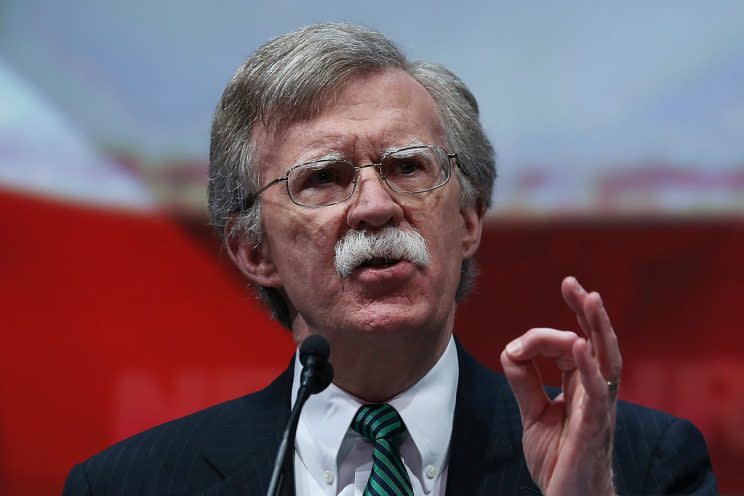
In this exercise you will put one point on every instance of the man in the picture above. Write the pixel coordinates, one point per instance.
(350, 186)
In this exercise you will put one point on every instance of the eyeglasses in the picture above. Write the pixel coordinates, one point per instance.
(413, 169)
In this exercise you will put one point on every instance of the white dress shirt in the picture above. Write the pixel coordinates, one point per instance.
(332, 459)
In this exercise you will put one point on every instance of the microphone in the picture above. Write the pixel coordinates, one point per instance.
(314, 353)
(316, 375)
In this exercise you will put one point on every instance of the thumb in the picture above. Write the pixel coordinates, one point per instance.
(526, 383)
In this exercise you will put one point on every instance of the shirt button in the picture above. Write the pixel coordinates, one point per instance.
(431, 471)
(328, 477)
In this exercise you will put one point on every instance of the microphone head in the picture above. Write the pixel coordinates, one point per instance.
(316, 346)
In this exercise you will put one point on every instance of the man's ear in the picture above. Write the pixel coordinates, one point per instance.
(253, 259)
(472, 217)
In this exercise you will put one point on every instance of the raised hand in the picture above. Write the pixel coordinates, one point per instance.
(568, 440)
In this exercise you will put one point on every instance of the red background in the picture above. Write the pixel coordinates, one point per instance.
(114, 322)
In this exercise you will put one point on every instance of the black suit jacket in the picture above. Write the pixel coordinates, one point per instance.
(230, 448)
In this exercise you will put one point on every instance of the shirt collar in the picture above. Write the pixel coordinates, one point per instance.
(427, 408)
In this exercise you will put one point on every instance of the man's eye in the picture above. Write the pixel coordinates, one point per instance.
(317, 177)
(323, 176)
(406, 167)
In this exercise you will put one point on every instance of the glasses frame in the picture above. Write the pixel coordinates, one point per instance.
(357, 168)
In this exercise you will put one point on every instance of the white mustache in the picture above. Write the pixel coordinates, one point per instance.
(358, 247)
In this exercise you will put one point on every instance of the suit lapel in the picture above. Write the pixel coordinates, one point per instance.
(486, 449)
(243, 450)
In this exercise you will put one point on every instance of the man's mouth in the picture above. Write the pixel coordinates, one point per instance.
(384, 273)
(379, 263)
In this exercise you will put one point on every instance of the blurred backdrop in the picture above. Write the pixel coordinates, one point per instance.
(621, 159)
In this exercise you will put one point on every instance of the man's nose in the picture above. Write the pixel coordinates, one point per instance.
(373, 205)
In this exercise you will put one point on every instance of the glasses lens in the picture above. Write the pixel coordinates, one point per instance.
(321, 183)
(416, 169)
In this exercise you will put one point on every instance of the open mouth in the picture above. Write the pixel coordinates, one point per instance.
(379, 263)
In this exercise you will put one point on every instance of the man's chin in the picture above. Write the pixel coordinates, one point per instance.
(389, 315)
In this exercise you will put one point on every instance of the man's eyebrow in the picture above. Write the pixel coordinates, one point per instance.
(334, 155)
(413, 142)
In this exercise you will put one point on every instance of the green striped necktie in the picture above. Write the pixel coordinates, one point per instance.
(381, 424)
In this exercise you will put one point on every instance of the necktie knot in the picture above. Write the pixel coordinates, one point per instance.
(378, 422)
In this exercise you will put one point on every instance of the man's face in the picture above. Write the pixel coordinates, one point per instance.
(372, 114)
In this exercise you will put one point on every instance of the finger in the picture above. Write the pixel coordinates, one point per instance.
(596, 324)
(591, 377)
(574, 295)
(599, 407)
(544, 342)
(604, 339)
(527, 386)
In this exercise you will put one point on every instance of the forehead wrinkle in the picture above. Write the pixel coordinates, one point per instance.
(393, 132)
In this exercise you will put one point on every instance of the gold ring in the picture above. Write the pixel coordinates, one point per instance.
(613, 384)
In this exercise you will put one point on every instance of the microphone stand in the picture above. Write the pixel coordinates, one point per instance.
(316, 375)
(282, 458)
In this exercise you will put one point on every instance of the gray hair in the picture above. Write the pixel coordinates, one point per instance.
(293, 77)
(391, 242)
